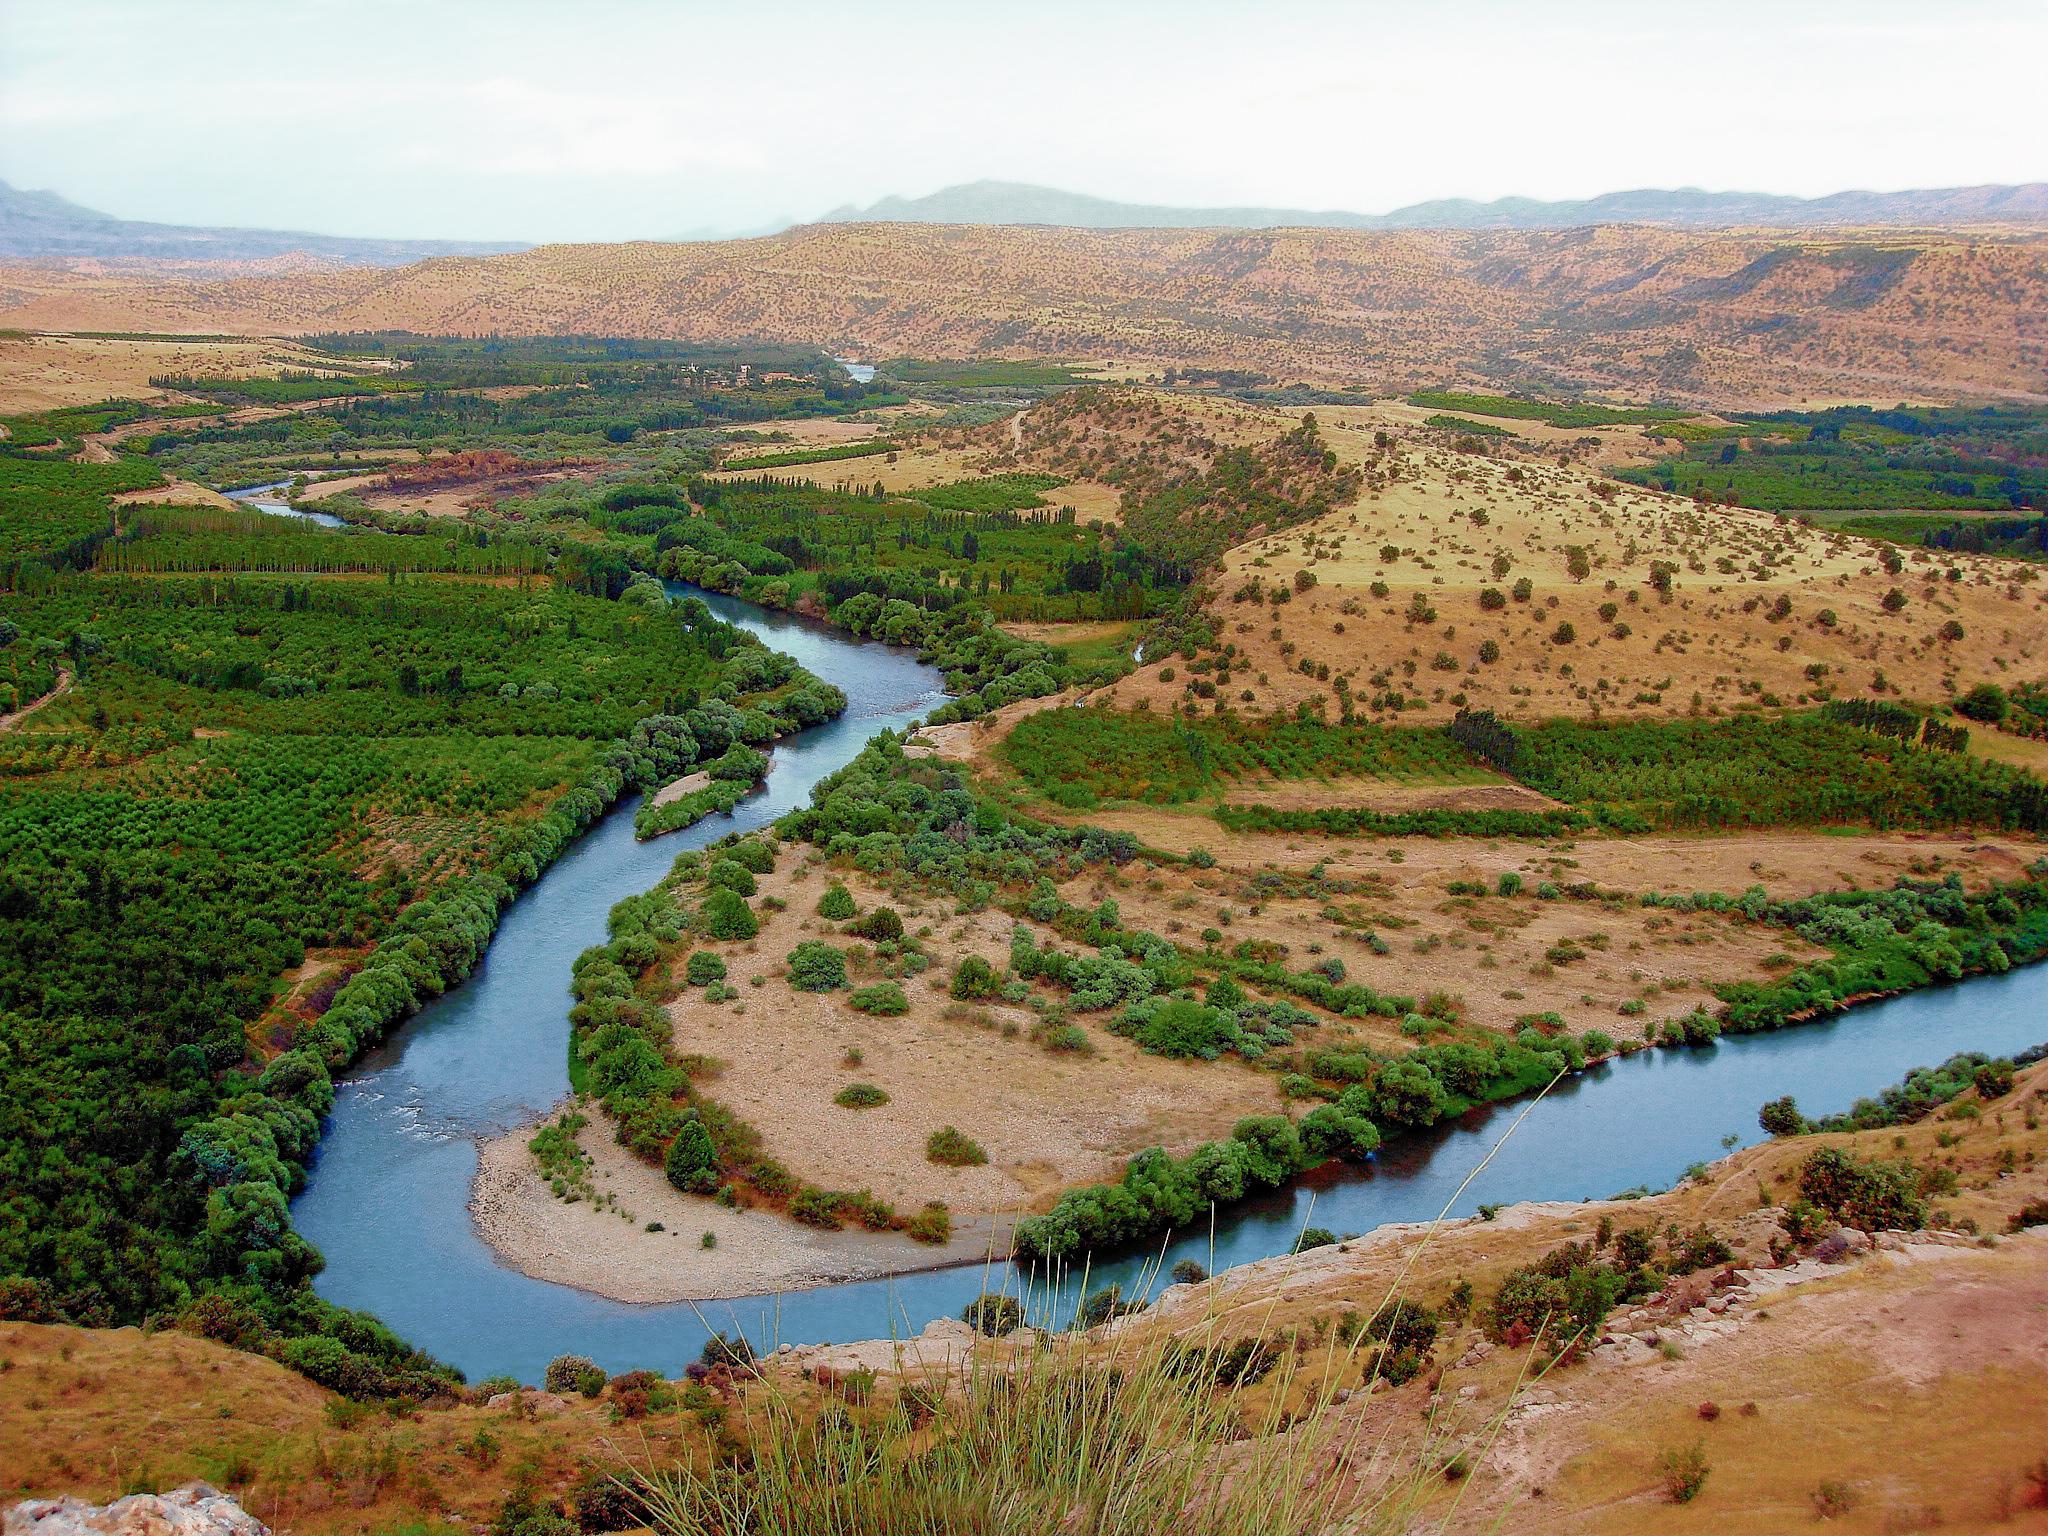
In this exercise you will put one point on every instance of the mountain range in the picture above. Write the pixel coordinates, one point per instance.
(1009, 202)
(42, 226)
(45, 227)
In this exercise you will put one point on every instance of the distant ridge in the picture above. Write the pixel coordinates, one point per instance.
(1009, 202)
(41, 226)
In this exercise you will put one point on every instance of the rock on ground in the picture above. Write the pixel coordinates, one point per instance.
(196, 1509)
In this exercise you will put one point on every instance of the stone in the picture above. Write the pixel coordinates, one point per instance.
(197, 1509)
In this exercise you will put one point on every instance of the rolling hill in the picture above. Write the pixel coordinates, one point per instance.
(1711, 317)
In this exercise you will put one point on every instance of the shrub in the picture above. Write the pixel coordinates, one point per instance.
(974, 979)
(837, 903)
(1781, 1117)
(884, 999)
(1314, 1237)
(816, 967)
(1872, 1196)
(1683, 1469)
(950, 1148)
(755, 853)
(1833, 1500)
(933, 1224)
(564, 1372)
(703, 968)
(994, 1315)
(726, 915)
(1986, 702)
(692, 1161)
(1188, 1272)
(733, 876)
(860, 1096)
(882, 925)
(1993, 1080)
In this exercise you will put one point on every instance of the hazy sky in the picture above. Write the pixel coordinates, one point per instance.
(603, 119)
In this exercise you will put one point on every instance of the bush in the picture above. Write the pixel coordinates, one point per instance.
(951, 1148)
(882, 926)
(755, 853)
(994, 1315)
(732, 875)
(860, 1096)
(692, 1161)
(1871, 1196)
(1314, 1237)
(570, 1373)
(726, 915)
(1993, 1080)
(1781, 1117)
(974, 979)
(1986, 702)
(816, 967)
(884, 999)
(1188, 1272)
(1683, 1469)
(837, 903)
(933, 1224)
(704, 968)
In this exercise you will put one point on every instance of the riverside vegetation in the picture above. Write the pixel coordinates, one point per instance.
(506, 674)
(272, 816)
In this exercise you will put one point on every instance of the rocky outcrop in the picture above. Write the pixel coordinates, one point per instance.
(196, 1509)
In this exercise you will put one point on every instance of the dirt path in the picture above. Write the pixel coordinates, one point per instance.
(65, 678)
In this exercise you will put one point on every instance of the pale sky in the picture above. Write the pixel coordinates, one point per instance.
(608, 119)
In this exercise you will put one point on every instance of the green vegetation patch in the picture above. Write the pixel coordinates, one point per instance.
(1081, 757)
(1556, 413)
(990, 374)
(1863, 459)
(786, 458)
(1750, 771)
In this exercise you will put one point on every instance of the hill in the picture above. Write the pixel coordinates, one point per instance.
(43, 227)
(1012, 202)
(1720, 318)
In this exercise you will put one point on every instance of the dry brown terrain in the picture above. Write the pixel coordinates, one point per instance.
(1724, 316)
(1762, 609)
(41, 372)
(1902, 1373)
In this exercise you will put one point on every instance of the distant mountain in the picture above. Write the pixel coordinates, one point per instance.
(1009, 202)
(41, 226)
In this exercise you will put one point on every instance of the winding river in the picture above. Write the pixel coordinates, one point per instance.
(263, 498)
(387, 1197)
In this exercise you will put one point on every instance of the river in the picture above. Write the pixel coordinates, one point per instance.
(387, 1196)
(262, 498)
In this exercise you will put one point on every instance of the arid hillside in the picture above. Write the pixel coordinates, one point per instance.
(1730, 317)
(1457, 580)
(1842, 1380)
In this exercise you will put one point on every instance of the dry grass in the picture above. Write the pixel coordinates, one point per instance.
(1459, 525)
(1385, 311)
(38, 372)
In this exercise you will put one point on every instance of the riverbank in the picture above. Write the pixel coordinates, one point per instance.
(613, 1250)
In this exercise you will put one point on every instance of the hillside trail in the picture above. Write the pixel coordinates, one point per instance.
(65, 678)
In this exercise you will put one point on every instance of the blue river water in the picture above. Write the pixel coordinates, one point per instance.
(387, 1198)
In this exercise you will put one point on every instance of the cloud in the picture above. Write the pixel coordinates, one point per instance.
(511, 127)
(37, 106)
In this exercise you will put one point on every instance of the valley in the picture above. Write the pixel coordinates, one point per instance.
(638, 840)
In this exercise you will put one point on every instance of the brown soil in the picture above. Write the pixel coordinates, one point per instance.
(1452, 521)
(1673, 313)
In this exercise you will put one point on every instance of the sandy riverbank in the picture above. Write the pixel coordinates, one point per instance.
(609, 1251)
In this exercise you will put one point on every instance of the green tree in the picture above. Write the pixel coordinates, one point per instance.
(692, 1162)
